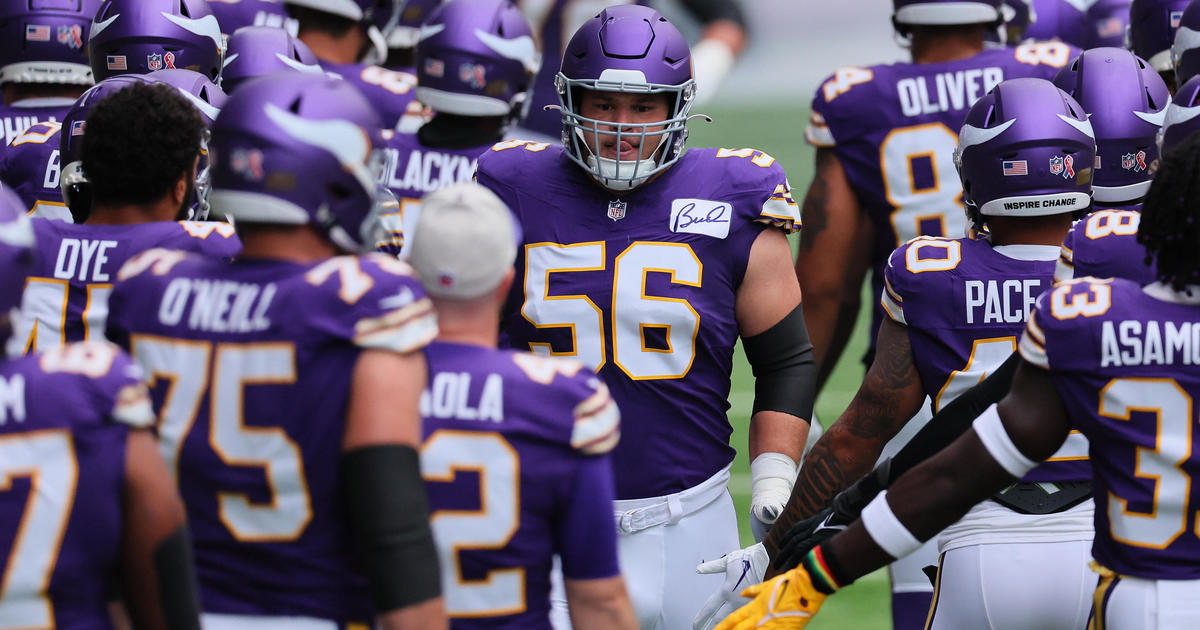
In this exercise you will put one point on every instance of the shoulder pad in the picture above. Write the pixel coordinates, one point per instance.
(919, 255)
(758, 179)
(390, 309)
(596, 421)
(112, 374)
(39, 133)
(1065, 307)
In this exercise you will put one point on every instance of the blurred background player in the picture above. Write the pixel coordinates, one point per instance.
(349, 39)
(475, 68)
(654, 301)
(258, 50)
(1151, 32)
(234, 14)
(722, 38)
(1084, 24)
(321, 350)
(141, 36)
(403, 38)
(541, 452)
(136, 193)
(881, 179)
(1127, 102)
(1185, 48)
(1135, 410)
(43, 62)
(84, 493)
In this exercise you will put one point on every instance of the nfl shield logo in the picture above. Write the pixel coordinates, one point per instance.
(1056, 165)
(616, 210)
(1127, 161)
(154, 62)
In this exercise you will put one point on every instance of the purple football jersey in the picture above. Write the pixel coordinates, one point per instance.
(22, 115)
(415, 170)
(66, 296)
(894, 129)
(642, 288)
(253, 362)
(964, 303)
(1125, 361)
(556, 22)
(1104, 245)
(30, 167)
(390, 91)
(64, 419)
(517, 467)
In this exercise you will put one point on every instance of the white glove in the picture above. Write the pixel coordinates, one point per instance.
(742, 568)
(771, 479)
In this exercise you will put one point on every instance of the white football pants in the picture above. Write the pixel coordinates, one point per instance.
(1129, 603)
(1014, 586)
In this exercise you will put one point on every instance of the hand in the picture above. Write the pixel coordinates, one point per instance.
(809, 533)
(785, 602)
(742, 568)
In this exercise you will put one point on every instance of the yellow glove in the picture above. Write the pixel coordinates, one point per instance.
(786, 602)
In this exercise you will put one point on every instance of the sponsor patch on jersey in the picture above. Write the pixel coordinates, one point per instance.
(701, 216)
(71, 36)
(616, 210)
(1015, 167)
(37, 33)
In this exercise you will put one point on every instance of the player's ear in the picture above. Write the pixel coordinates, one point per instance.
(180, 190)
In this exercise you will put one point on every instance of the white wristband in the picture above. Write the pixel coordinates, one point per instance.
(886, 530)
(771, 479)
(990, 429)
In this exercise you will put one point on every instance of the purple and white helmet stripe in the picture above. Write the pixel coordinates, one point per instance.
(1185, 51)
(1126, 102)
(1025, 149)
(45, 43)
(234, 14)
(1183, 116)
(630, 49)
(258, 50)
(477, 58)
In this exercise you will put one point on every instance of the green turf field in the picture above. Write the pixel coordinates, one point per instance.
(780, 132)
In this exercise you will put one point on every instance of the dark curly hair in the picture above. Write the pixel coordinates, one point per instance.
(139, 142)
(1170, 223)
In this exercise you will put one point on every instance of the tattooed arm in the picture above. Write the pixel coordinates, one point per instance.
(835, 251)
(890, 394)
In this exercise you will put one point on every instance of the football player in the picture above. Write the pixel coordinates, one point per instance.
(348, 37)
(1129, 392)
(1087, 24)
(258, 50)
(955, 308)
(537, 429)
(1151, 33)
(1185, 49)
(43, 62)
(289, 379)
(647, 263)
(722, 39)
(141, 36)
(135, 193)
(84, 493)
(1126, 102)
(884, 138)
(234, 14)
(475, 68)
(403, 38)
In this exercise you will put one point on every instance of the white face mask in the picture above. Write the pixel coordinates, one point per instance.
(609, 169)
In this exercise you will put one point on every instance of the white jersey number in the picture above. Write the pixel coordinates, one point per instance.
(927, 207)
(445, 453)
(633, 312)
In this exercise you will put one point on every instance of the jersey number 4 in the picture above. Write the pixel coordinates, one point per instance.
(633, 312)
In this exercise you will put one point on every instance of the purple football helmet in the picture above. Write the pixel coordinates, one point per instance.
(1126, 101)
(1018, 15)
(477, 58)
(1185, 51)
(234, 14)
(44, 42)
(413, 14)
(1026, 149)
(293, 148)
(17, 244)
(941, 12)
(1183, 116)
(142, 36)
(631, 49)
(1108, 19)
(1151, 30)
(258, 50)
(1059, 20)
(377, 18)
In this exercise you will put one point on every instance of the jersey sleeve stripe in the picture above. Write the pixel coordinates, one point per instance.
(1034, 329)
(1063, 271)
(1033, 352)
(817, 133)
(887, 285)
(402, 330)
(597, 424)
(893, 309)
(133, 407)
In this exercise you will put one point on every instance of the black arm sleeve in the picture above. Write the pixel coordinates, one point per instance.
(177, 581)
(954, 419)
(706, 11)
(785, 373)
(389, 516)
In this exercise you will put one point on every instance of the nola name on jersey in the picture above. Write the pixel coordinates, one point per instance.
(1125, 360)
(641, 287)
